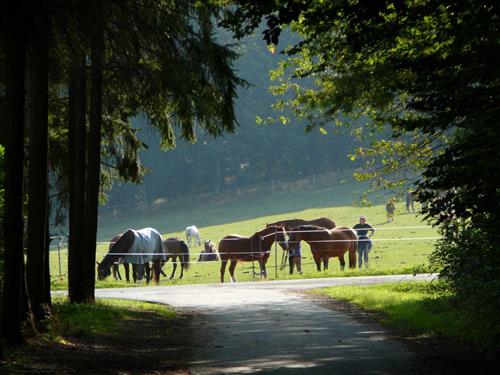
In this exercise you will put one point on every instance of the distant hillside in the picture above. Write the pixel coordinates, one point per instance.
(256, 153)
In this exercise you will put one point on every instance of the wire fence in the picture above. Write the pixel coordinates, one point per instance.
(255, 254)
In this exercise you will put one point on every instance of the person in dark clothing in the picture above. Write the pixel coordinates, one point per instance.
(410, 200)
(295, 258)
(364, 241)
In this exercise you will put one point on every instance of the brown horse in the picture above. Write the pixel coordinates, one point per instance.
(257, 247)
(174, 248)
(326, 243)
(292, 223)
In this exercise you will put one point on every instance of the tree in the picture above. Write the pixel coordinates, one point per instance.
(37, 256)
(15, 51)
(428, 71)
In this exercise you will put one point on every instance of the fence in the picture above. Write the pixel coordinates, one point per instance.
(280, 257)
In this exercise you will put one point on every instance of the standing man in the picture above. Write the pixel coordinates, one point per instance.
(410, 199)
(364, 241)
(295, 258)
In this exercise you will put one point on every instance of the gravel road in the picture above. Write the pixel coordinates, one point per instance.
(270, 327)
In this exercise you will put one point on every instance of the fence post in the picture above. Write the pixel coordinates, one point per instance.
(276, 254)
(59, 256)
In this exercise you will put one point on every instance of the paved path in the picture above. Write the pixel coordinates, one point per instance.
(264, 327)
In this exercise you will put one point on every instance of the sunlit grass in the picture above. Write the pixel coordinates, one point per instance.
(103, 317)
(387, 257)
(422, 307)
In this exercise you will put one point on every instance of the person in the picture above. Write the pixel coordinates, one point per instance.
(295, 258)
(364, 241)
(410, 200)
(390, 207)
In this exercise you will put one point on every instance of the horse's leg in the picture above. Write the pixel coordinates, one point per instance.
(222, 269)
(263, 272)
(182, 271)
(161, 269)
(182, 266)
(317, 260)
(127, 272)
(156, 271)
(232, 266)
(174, 267)
(140, 271)
(118, 272)
(352, 258)
(342, 262)
(325, 263)
(147, 271)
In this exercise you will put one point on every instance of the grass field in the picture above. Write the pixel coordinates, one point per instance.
(422, 307)
(392, 253)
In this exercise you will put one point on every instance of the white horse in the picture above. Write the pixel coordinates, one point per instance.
(192, 233)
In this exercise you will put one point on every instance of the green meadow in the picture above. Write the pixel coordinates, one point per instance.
(401, 246)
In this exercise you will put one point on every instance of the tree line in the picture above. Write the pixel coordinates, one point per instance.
(425, 74)
(256, 152)
(73, 74)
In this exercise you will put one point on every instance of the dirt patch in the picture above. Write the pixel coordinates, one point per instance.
(145, 344)
(434, 354)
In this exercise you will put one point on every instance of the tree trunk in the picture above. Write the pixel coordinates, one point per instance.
(14, 157)
(37, 255)
(76, 143)
(93, 163)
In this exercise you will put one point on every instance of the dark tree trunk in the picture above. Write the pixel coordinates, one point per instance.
(46, 289)
(14, 157)
(37, 255)
(76, 143)
(93, 163)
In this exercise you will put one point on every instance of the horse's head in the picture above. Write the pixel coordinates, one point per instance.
(103, 271)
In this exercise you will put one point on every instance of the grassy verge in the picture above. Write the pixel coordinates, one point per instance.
(105, 317)
(110, 337)
(422, 308)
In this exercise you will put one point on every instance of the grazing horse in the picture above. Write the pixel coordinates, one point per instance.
(292, 223)
(193, 234)
(209, 253)
(115, 266)
(326, 243)
(174, 248)
(236, 248)
(138, 247)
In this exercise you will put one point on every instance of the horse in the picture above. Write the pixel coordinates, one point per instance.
(115, 266)
(209, 253)
(326, 243)
(192, 233)
(292, 223)
(146, 241)
(236, 248)
(174, 248)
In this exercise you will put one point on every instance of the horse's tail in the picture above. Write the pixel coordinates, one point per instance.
(353, 249)
(185, 255)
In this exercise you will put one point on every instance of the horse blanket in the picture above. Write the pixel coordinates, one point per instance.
(147, 241)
